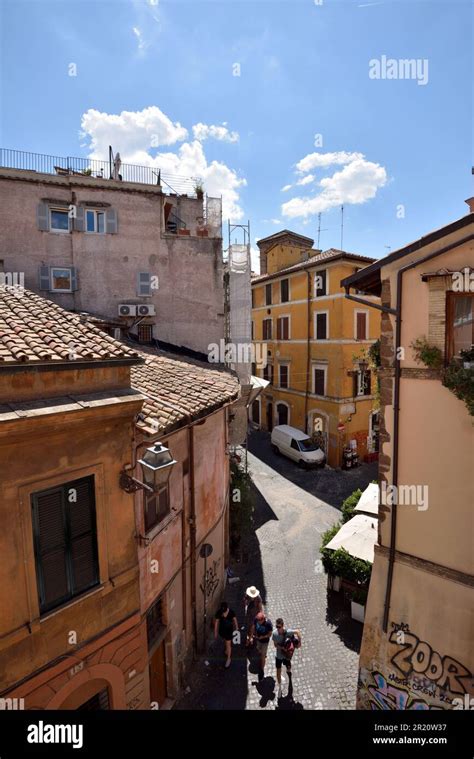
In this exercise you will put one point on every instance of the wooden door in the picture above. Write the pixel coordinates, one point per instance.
(158, 675)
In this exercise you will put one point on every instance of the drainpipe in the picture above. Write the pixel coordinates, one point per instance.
(397, 312)
(308, 347)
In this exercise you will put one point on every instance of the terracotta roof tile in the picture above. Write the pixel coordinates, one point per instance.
(35, 330)
(178, 389)
(327, 255)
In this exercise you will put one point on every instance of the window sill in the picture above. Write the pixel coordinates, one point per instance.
(72, 602)
(155, 531)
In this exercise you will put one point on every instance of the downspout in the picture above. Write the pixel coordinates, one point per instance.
(397, 312)
(308, 347)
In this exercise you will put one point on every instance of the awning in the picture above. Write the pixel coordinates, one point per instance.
(358, 536)
(369, 500)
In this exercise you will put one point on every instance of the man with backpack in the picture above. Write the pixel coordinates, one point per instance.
(286, 642)
(262, 631)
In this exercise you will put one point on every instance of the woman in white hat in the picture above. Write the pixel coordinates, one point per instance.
(253, 606)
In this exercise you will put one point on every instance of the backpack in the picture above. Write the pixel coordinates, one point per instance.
(290, 643)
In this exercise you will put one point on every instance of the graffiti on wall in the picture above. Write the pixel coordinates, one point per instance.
(211, 579)
(416, 656)
(383, 694)
(421, 678)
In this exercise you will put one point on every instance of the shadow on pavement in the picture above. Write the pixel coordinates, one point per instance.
(338, 615)
(209, 685)
(332, 486)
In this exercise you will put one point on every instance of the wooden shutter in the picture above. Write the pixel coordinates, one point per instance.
(80, 508)
(319, 381)
(284, 290)
(111, 221)
(321, 322)
(143, 283)
(79, 223)
(286, 328)
(44, 278)
(283, 376)
(268, 295)
(50, 546)
(278, 329)
(361, 323)
(42, 216)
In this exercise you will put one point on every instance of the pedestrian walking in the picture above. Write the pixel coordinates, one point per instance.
(253, 606)
(262, 630)
(286, 641)
(225, 623)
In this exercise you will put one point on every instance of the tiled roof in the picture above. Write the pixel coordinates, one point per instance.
(34, 330)
(180, 389)
(326, 255)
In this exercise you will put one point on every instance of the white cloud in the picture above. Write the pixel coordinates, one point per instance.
(323, 160)
(306, 180)
(356, 183)
(271, 221)
(133, 133)
(142, 45)
(217, 132)
(286, 188)
(129, 131)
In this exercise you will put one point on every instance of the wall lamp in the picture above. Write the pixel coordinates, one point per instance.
(156, 465)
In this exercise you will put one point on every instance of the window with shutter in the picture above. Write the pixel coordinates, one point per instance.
(42, 217)
(44, 278)
(319, 382)
(268, 295)
(267, 329)
(284, 290)
(321, 326)
(283, 375)
(283, 328)
(361, 325)
(144, 284)
(157, 507)
(65, 540)
(111, 221)
(320, 283)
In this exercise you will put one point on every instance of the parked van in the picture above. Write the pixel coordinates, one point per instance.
(296, 445)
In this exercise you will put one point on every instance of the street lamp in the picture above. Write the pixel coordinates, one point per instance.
(156, 465)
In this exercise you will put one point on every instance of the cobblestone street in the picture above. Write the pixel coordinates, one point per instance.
(294, 507)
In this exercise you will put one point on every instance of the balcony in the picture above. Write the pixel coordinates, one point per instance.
(69, 166)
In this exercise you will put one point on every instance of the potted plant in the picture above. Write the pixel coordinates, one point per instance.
(467, 357)
(199, 189)
(358, 602)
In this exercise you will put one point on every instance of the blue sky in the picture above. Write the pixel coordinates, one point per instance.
(396, 152)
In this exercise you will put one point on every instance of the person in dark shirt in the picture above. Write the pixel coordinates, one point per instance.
(225, 623)
(262, 629)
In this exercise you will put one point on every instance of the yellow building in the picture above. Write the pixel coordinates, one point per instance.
(315, 343)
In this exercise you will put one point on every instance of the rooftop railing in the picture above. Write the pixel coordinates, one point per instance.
(73, 166)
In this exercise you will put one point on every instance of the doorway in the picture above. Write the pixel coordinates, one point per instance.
(269, 416)
(158, 675)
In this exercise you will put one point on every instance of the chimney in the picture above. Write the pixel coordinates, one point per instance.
(470, 202)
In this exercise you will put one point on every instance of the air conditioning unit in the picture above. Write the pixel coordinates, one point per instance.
(146, 310)
(127, 309)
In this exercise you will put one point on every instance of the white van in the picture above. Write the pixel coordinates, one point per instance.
(296, 445)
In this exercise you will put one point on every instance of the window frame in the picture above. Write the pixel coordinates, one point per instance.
(58, 209)
(159, 520)
(364, 311)
(324, 368)
(51, 278)
(264, 336)
(316, 314)
(71, 596)
(268, 289)
(95, 211)
(326, 283)
(451, 297)
(287, 280)
(286, 366)
(280, 317)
